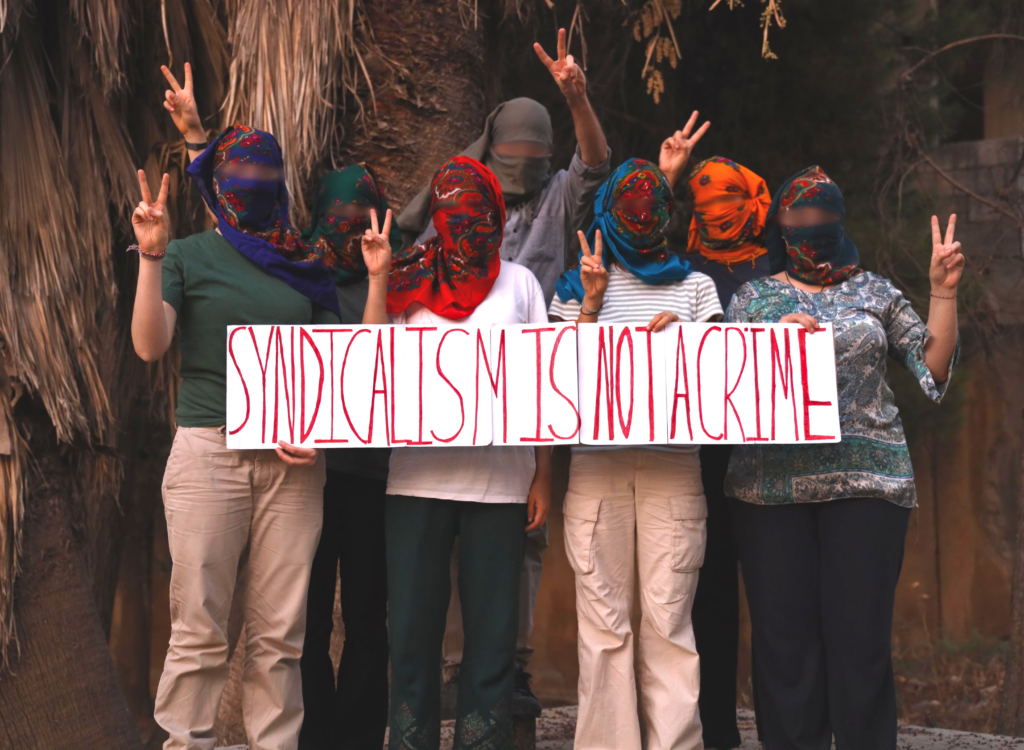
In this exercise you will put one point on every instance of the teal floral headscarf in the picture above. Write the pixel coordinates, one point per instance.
(356, 184)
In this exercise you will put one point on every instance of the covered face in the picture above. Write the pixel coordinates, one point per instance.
(248, 180)
(341, 215)
(632, 209)
(521, 131)
(730, 205)
(453, 272)
(811, 242)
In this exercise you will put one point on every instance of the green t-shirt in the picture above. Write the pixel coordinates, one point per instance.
(211, 286)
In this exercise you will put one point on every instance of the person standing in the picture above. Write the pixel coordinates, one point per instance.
(544, 209)
(643, 503)
(349, 710)
(726, 242)
(484, 495)
(821, 527)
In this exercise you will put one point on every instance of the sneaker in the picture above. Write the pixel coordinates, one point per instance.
(524, 702)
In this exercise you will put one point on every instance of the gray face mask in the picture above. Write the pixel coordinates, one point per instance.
(521, 177)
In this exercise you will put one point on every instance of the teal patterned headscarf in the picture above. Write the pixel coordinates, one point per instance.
(356, 184)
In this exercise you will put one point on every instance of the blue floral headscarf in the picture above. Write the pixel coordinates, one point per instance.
(820, 254)
(253, 214)
(632, 209)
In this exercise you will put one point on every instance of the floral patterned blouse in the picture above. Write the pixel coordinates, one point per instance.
(872, 319)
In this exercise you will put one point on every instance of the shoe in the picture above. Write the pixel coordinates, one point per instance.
(524, 702)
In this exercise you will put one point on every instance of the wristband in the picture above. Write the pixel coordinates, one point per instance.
(587, 311)
(941, 296)
(196, 146)
(143, 254)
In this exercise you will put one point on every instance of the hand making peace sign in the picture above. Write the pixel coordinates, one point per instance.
(377, 247)
(150, 220)
(181, 103)
(676, 150)
(947, 261)
(567, 74)
(593, 274)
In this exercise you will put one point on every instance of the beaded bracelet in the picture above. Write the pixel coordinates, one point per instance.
(143, 254)
(587, 311)
(940, 296)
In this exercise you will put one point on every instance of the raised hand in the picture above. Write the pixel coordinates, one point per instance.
(676, 149)
(150, 220)
(567, 74)
(376, 246)
(181, 103)
(661, 320)
(947, 264)
(593, 274)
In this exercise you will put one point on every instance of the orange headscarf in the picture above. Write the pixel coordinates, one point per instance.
(722, 231)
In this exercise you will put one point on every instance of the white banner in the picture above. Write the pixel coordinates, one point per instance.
(595, 384)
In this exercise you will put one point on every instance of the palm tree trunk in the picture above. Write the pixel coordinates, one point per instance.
(1011, 719)
(62, 691)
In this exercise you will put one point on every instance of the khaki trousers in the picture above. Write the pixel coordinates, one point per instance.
(218, 501)
(649, 506)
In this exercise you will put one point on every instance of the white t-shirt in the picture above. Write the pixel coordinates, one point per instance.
(487, 474)
(630, 300)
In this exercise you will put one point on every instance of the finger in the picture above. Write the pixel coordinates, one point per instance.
(810, 323)
(169, 107)
(570, 65)
(298, 450)
(286, 457)
(678, 142)
(140, 214)
(584, 245)
(949, 229)
(685, 132)
(144, 186)
(544, 57)
(936, 237)
(188, 77)
(597, 244)
(653, 325)
(161, 199)
(170, 78)
(700, 133)
(561, 44)
(373, 223)
(386, 231)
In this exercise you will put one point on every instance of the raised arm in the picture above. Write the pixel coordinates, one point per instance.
(947, 267)
(573, 85)
(593, 277)
(377, 256)
(181, 103)
(152, 319)
(676, 149)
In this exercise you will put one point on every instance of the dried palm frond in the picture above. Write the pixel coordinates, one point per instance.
(65, 163)
(102, 23)
(290, 58)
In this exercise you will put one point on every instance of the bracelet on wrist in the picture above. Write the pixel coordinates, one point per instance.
(196, 146)
(942, 296)
(587, 311)
(143, 254)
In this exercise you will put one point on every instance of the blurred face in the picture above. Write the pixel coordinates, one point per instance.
(521, 148)
(347, 211)
(806, 217)
(720, 200)
(246, 171)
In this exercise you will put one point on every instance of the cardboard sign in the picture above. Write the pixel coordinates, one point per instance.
(538, 402)
(596, 384)
(743, 383)
(622, 384)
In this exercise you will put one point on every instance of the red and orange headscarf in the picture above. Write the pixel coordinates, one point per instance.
(727, 232)
(452, 272)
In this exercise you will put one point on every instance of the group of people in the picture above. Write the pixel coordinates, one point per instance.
(818, 529)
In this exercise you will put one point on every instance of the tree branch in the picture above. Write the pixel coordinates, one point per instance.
(906, 75)
(964, 189)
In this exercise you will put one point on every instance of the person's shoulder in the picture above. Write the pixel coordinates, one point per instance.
(697, 279)
(196, 243)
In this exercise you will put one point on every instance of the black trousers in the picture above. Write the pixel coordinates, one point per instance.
(352, 714)
(716, 609)
(821, 584)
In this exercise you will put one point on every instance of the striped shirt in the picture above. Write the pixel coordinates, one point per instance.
(630, 300)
